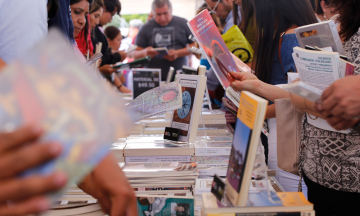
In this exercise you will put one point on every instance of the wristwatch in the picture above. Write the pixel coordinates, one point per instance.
(118, 87)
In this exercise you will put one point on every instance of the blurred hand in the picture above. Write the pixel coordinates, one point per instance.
(20, 151)
(172, 56)
(108, 184)
(149, 51)
(342, 98)
(245, 82)
(107, 69)
(340, 123)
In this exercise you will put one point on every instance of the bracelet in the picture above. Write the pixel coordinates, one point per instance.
(118, 87)
(306, 108)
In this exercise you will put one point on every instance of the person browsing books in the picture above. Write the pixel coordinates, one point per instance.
(329, 160)
(164, 30)
(272, 66)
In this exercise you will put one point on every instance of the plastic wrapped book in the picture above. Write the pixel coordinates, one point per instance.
(51, 87)
(158, 100)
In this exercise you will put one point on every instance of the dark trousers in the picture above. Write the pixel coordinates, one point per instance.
(329, 202)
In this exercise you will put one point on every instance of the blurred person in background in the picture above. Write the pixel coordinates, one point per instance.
(111, 7)
(135, 26)
(114, 37)
(246, 20)
(164, 30)
(223, 10)
(323, 10)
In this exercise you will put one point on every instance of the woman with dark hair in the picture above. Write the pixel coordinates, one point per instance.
(246, 26)
(275, 21)
(85, 45)
(329, 160)
(114, 38)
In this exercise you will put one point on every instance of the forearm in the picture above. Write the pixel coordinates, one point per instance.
(302, 105)
(270, 112)
(184, 51)
(2, 64)
(138, 53)
(271, 92)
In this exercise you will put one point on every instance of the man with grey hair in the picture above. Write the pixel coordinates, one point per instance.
(164, 30)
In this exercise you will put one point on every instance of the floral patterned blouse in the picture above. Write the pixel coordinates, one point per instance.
(329, 158)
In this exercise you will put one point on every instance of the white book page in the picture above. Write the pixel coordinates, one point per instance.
(318, 69)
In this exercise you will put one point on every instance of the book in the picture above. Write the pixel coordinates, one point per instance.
(189, 70)
(202, 186)
(165, 205)
(293, 203)
(93, 59)
(322, 34)
(214, 47)
(215, 159)
(212, 148)
(158, 100)
(163, 148)
(144, 80)
(304, 90)
(160, 169)
(206, 115)
(318, 69)
(162, 51)
(187, 117)
(73, 210)
(51, 87)
(211, 171)
(250, 120)
(148, 159)
(138, 63)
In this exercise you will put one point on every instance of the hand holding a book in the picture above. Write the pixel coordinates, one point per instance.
(20, 151)
(149, 51)
(245, 82)
(109, 185)
(107, 69)
(172, 56)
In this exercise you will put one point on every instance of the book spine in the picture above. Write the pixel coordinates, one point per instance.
(304, 213)
(148, 159)
(212, 151)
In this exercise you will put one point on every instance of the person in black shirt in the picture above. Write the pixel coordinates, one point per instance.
(111, 7)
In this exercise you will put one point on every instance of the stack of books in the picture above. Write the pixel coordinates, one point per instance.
(171, 178)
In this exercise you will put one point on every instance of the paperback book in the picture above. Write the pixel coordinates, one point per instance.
(250, 120)
(158, 100)
(50, 86)
(215, 49)
(187, 117)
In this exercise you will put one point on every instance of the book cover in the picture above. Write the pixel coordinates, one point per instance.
(51, 87)
(249, 122)
(322, 34)
(162, 51)
(138, 63)
(165, 206)
(158, 100)
(214, 47)
(148, 159)
(186, 118)
(212, 148)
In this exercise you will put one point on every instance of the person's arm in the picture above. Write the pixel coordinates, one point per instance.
(108, 184)
(143, 52)
(2, 64)
(120, 86)
(270, 112)
(175, 54)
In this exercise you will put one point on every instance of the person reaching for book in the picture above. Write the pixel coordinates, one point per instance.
(333, 191)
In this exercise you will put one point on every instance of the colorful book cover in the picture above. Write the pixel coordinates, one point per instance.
(51, 87)
(249, 122)
(217, 53)
(165, 206)
(158, 100)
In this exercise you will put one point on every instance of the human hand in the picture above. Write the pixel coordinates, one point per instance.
(342, 98)
(171, 56)
(108, 184)
(107, 69)
(20, 151)
(339, 123)
(149, 51)
(245, 82)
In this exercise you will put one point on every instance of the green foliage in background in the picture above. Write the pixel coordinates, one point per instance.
(129, 17)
